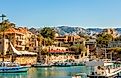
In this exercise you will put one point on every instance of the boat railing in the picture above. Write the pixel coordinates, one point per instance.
(106, 71)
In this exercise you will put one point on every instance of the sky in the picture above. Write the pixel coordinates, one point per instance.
(81, 13)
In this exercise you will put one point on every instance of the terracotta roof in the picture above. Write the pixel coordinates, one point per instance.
(22, 30)
(12, 30)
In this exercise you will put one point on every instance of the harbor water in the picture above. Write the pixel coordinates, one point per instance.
(54, 72)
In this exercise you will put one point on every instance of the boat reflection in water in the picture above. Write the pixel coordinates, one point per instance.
(14, 75)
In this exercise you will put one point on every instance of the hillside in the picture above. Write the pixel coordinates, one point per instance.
(68, 30)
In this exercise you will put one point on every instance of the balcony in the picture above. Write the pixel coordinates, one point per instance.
(19, 39)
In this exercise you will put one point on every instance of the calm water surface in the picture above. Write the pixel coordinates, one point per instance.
(54, 72)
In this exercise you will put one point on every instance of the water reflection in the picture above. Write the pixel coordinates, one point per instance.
(54, 72)
(13, 75)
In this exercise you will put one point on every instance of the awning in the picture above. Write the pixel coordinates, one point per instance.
(27, 53)
(22, 52)
(14, 50)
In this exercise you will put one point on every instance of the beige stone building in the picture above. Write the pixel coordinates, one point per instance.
(31, 42)
(22, 40)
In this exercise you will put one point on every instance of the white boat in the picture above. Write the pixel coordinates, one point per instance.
(9, 67)
(104, 68)
(107, 70)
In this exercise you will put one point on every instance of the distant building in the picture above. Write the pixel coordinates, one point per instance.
(68, 38)
(91, 43)
(114, 44)
(110, 31)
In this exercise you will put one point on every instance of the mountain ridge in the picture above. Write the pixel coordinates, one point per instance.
(69, 30)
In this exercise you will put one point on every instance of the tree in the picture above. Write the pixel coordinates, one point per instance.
(48, 41)
(118, 38)
(103, 40)
(77, 48)
(48, 32)
(84, 35)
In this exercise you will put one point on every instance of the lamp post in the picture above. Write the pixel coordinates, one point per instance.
(3, 16)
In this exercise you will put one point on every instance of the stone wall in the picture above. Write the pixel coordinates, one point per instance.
(23, 59)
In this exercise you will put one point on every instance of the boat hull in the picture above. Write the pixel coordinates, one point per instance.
(13, 69)
(41, 66)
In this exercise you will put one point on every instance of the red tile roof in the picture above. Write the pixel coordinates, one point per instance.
(12, 30)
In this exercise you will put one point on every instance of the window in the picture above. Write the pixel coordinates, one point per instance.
(76, 57)
(82, 55)
(34, 48)
(85, 54)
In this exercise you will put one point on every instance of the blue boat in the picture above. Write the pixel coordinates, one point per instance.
(10, 67)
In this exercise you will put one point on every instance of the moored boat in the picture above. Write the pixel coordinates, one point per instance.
(106, 70)
(41, 65)
(103, 69)
(10, 67)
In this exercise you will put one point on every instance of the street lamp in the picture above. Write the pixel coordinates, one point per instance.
(2, 16)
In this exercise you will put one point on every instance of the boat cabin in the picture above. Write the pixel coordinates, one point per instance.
(9, 64)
